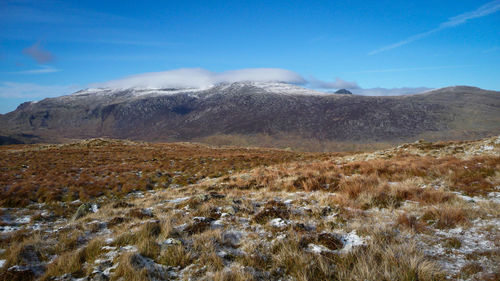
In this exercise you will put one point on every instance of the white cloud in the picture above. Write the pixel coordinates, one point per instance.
(337, 84)
(41, 70)
(200, 78)
(484, 10)
(34, 91)
(390, 91)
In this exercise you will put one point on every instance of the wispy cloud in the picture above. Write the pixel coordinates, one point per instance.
(42, 70)
(491, 50)
(390, 91)
(37, 53)
(411, 69)
(484, 10)
(337, 84)
(34, 91)
(199, 78)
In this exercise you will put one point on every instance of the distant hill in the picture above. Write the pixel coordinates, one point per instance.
(245, 109)
(343, 92)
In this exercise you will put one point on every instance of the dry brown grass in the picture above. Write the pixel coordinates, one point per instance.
(74, 262)
(447, 216)
(125, 271)
(411, 222)
(27, 251)
(176, 255)
(396, 192)
(36, 173)
(387, 258)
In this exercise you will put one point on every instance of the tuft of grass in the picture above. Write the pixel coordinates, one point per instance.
(410, 222)
(176, 255)
(446, 216)
(469, 269)
(126, 271)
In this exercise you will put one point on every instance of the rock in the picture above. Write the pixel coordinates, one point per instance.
(232, 210)
(23, 273)
(232, 239)
(98, 276)
(169, 242)
(85, 209)
(153, 270)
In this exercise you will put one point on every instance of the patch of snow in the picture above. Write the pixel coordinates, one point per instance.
(284, 88)
(218, 223)
(473, 240)
(222, 253)
(148, 211)
(8, 228)
(352, 240)
(129, 248)
(487, 148)
(171, 241)
(2, 263)
(23, 220)
(94, 208)
(281, 237)
(317, 249)
(278, 223)
(494, 196)
(107, 271)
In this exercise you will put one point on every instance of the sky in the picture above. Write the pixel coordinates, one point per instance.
(51, 48)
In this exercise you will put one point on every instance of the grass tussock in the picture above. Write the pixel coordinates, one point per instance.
(74, 262)
(446, 216)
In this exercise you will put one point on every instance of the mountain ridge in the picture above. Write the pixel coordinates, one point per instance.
(249, 108)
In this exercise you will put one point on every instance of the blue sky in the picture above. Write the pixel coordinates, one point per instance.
(50, 48)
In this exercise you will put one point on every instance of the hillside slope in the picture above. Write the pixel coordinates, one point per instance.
(120, 210)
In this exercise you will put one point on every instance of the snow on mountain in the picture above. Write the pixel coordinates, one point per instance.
(269, 87)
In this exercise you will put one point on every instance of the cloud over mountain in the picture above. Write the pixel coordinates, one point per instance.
(199, 78)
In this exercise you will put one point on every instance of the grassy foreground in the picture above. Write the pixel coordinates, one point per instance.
(119, 210)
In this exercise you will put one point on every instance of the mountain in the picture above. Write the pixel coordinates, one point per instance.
(255, 108)
(343, 92)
